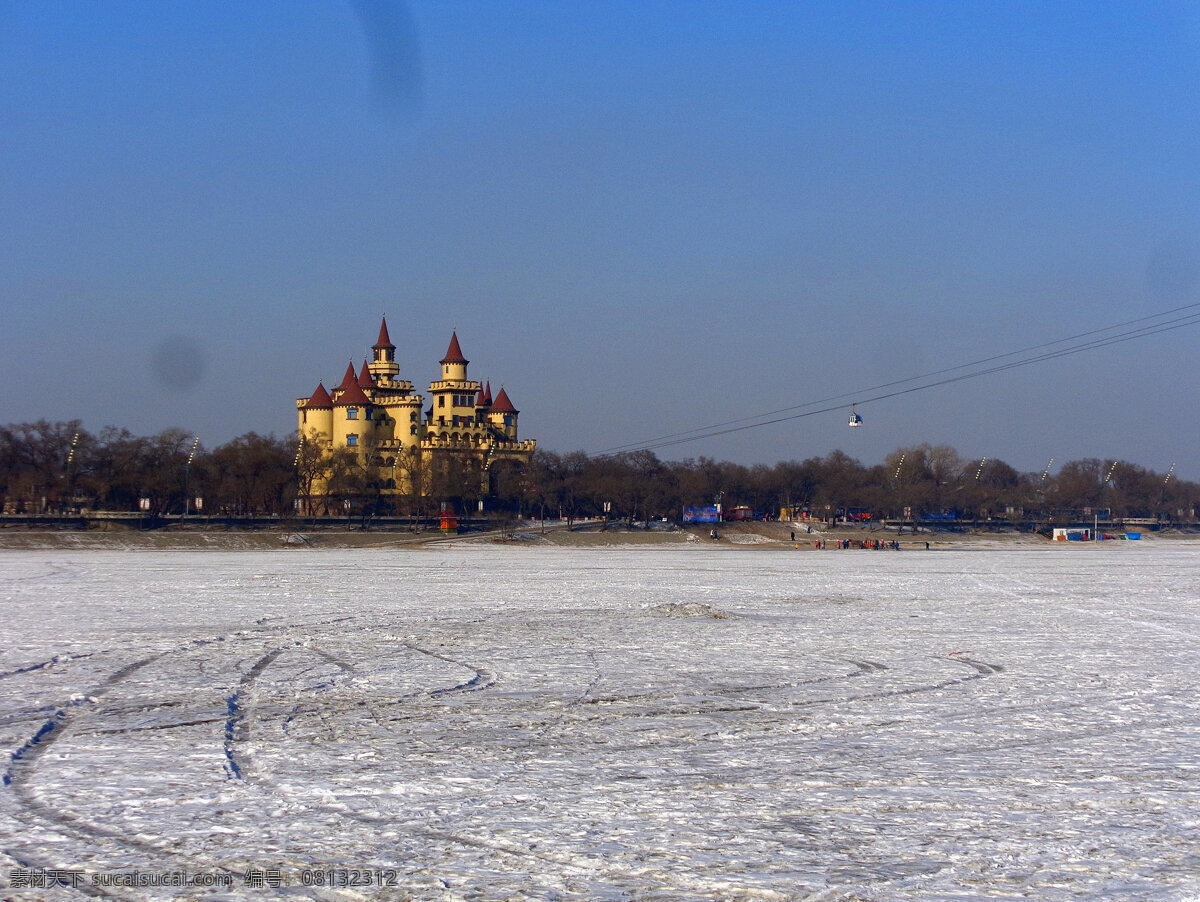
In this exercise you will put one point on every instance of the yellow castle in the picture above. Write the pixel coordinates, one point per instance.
(373, 427)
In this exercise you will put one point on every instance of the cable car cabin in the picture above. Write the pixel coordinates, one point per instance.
(855, 420)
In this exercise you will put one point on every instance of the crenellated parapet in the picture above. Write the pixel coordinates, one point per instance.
(458, 385)
(399, 386)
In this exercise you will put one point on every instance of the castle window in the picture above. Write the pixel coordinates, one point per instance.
(351, 413)
(412, 430)
(441, 400)
(352, 440)
(412, 417)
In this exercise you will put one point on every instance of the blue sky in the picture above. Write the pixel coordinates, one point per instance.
(640, 217)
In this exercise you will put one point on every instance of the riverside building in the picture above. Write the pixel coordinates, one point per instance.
(375, 434)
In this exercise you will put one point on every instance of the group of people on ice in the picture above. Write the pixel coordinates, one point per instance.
(873, 544)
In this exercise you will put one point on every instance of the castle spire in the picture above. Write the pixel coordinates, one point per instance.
(320, 398)
(503, 404)
(454, 353)
(364, 377)
(454, 364)
(383, 366)
(384, 341)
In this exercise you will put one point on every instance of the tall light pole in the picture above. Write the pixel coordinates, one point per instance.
(978, 473)
(70, 460)
(300, 482)
(1163, 503)
(896, 486)
(187, 472)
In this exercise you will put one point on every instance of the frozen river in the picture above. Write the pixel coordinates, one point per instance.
(610, 723)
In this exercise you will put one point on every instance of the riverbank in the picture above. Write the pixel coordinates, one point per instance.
(579, 535)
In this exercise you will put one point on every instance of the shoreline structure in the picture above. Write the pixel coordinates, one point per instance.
(595, 533)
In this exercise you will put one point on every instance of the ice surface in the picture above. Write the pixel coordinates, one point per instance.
(608, 723)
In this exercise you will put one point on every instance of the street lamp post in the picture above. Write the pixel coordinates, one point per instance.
(187, 472)
(70, 460)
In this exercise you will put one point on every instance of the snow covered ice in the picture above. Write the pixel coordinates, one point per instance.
(476, 722)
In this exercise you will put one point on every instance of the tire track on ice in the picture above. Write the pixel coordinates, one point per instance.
(864, 668)
(484, 678)
(578, 864)
(981, 670)
(43, 664)
(25, 761)
(239, 713)
(237, 724)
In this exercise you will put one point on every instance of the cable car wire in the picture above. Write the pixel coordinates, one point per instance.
(757, 420)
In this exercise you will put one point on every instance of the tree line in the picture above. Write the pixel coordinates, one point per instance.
(60, 467)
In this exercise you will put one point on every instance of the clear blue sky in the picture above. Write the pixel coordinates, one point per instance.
(640, 217)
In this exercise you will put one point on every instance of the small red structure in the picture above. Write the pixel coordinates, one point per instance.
(449, 521)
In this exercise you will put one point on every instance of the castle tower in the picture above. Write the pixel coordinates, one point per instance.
(503, 416)
(384, 367)
(316, 412)
(352, 426)
(453, 398)
(454, 364)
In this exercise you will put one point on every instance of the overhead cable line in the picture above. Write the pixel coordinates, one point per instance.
(757, 420)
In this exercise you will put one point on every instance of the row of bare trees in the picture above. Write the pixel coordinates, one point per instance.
(57, 467)
(909, 482)
(52, 468)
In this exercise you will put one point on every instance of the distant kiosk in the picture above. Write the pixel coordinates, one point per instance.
(1073, 535)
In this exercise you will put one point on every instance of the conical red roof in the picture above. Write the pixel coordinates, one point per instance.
(487, 394)
(348, 379)
(364, 377)
(479, 399)
(320, 398)
(454, 353)
(503, 404)
(384, 341)
(352, 397)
